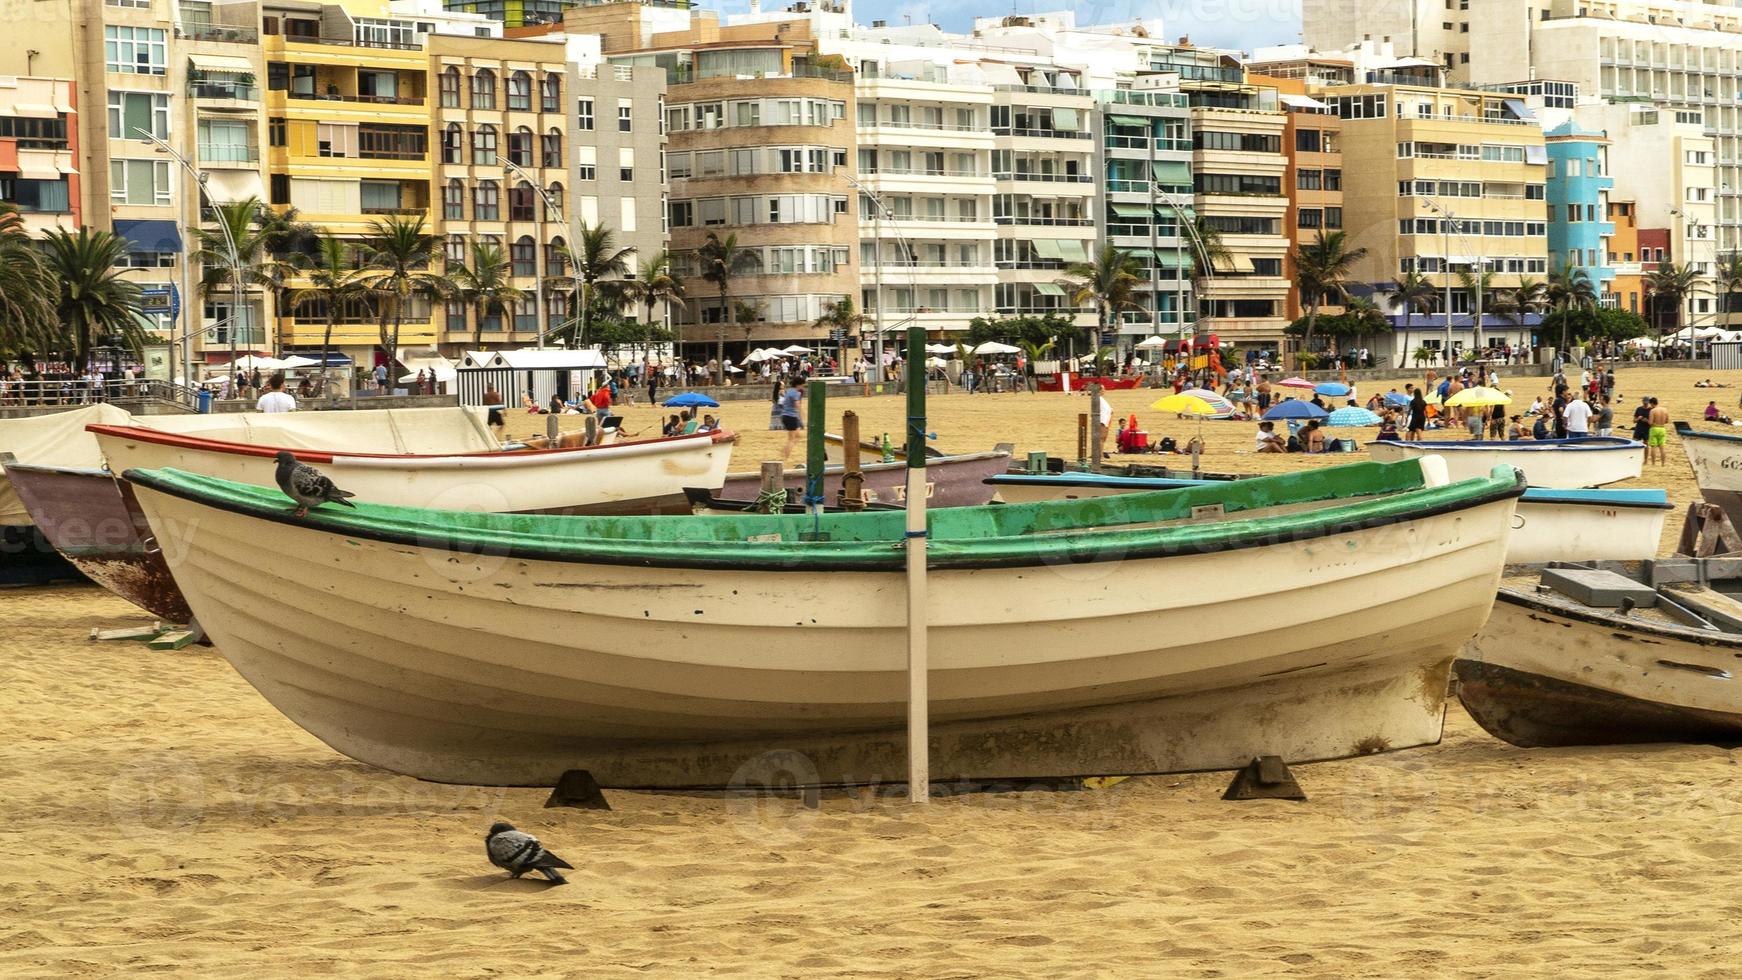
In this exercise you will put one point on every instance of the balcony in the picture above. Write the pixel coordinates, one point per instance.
(1010, 219)
(221, 90)
(1143, 143)
(228, 154)
(1053, 178)
(1059, 134)
(217, 32)
(369, 99)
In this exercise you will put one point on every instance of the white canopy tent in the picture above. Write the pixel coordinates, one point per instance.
(797, 349)
(432, 363)
(1152, 343)
(994, 347)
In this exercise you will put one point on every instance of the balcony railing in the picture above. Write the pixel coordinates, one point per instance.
(1161, 100)
(371, 99)
(236, 91)
(1049, 264)
(229, 153)
(918, 172)
(1058, 134)
(1143, 142)
(1054, 178)
(351, 42)
(1041, 89)
(217, 32)
(910, 124)
(932, 217)
(1011, 219)
(394, 209)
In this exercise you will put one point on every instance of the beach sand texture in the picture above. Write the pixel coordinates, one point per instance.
(161, 817)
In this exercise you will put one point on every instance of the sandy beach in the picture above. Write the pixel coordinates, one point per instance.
(162, 817)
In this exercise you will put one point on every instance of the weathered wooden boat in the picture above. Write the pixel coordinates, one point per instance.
(706, 502)
(951, 481)
(1608, 660)
(26, 555)
(1716, 458)
(645, 477)
(1560, 464)
(1551, 525)
(1077, 383)
(1066, 638)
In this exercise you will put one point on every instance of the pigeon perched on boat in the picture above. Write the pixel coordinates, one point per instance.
(307, 486)
(518, 853)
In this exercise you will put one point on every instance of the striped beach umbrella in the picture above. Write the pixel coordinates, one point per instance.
(1352, 416)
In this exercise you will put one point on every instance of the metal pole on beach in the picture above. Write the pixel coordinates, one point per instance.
(918, 682)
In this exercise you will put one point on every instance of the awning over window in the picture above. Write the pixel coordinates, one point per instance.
(32, 166)
(1137, 122)
(1049, 289)
(38, 110)
(1171, 172)
(1072, 251)
(1131, 210)
(1519, 110)
(1536, 154)
(1301, 102)
(1048, 248)
(1064, 119)
(997, 74)
(1173, 258)
(149, 236)
(216, 62)
(1233, 263)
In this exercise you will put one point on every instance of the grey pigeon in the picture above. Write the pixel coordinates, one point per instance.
(307, 486)
(519, 853)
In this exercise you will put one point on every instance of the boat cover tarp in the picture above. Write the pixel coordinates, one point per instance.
(52, 440)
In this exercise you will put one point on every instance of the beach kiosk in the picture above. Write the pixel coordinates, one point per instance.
(540, 373)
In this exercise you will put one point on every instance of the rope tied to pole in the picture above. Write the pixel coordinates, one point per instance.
(771, 501)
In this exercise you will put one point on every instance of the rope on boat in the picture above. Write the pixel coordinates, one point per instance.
(771, 501)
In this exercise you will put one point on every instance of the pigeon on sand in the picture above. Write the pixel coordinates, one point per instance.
(519, 853)
(307, 486)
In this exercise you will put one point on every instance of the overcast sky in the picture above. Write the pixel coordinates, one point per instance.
(1242, 24)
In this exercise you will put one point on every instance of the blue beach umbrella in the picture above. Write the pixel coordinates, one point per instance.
(690, 399)
(1333, 389)
(1397, 399)
(1352, 416)
(1294, 408)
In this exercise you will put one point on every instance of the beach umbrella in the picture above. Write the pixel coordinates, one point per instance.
(1294, 408)
(1332, 389)
(1478, 398)
(1152, 343)
(1185, 404)
(1295, 383)
(1223, 406)
(994, 347)
(690, 399)
(1352, 416)
(1397, 398)
(940, 348)
(797, 349)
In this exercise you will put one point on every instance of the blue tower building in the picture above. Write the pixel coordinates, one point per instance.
(1578, 203)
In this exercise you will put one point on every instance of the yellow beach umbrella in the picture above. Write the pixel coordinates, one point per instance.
(1184, 405)
(1479, 398)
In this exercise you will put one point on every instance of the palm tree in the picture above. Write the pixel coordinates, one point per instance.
(92, 300)
(843, 317)
(1367, 318)
(595, 257)
(27, 289)
(1207, 253)
(333, 282)
(1414, 293)
(398, 253)
(486, 281)
(721, 260)
(1569, 288)
(1727, 280)
(1109, 281)
(1667, 287)
(1322, 269)
(247, 222)
(655, 283)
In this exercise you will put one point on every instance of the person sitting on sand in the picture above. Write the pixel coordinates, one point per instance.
(1313, 437)
(673, 425)
(1515, 431)
(1267, 441)
(1712, 412)
(1388, 426)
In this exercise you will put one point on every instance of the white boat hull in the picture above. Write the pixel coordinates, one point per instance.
(1541, 675)
(1717, 465)
(642, 477)
(1559, 469)
(1544, 532)
(477, 669)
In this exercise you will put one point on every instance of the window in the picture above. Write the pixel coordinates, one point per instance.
(524, 255)
(682, 213)
(550, 92)
(1309, 180)
(556, 263)
(484, 89)
(555, 193)
(275, 132)
(336, 140)
(456, 310)
(520, 147)
(1310, 218)
(1333, 218)
(520, 92)
(1308, 140)
(1333, 180)
(486, 201)
(139, 181)
(625, 116)
(522, 203)
(450, 88)
(454, 200)
(484, 146)
(626, 174)
(1237, 184)
(584, 114)
(133, 112)
(280, 192)
(376, 141)
(586, 159)
(135, 50)
(553, 150)
(453, 144)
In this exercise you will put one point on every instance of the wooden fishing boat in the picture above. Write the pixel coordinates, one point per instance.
(645, 477)
(951, 480)
(1561, 464)
(1056, 382)
(1551, 525)
(1609, 660)
(705, 502)
(1717, 461)
(27, 557)
(1066, 638)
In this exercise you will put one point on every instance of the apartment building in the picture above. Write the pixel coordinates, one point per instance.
(1670, 169)
(1312, 142)
(1438, 30)
(502, 119)
(1627, 290)
(1145, 165)
(1579, 229)
(39, 151)
(760, 149)
(514, 13)
(619, 169)
(1443, 182)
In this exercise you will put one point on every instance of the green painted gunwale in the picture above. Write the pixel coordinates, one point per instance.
(998, 535)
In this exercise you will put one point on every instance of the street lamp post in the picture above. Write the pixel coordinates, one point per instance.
(235, 259)
(538, 250)
(877, 282)
(1480, 270)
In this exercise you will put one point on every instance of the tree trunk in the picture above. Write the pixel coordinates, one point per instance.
(720, 339)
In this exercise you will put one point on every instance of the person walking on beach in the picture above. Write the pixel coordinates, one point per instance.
(1417, 414)
(1641, 420)
(1658, 433)
(789, 399)
(1577, 414)
(1606, 418)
